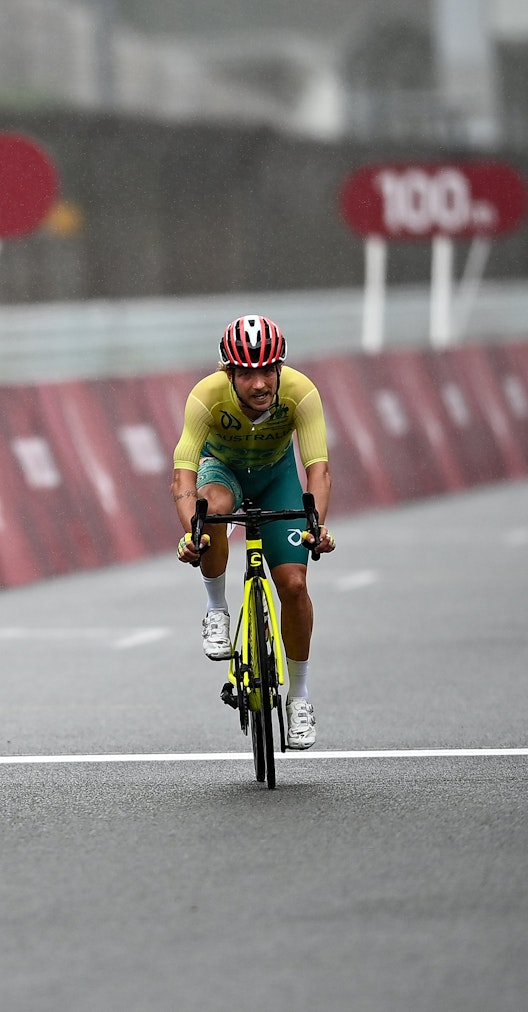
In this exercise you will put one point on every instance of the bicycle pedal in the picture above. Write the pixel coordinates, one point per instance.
(226, 695)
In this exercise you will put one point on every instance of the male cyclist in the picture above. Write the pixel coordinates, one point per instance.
(237, 443)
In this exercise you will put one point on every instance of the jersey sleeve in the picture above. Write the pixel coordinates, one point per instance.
(196, 426)
(311, 428)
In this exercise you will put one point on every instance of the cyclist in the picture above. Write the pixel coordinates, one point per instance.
(237, 443)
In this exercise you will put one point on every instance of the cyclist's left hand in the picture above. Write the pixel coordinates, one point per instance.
(326, 544)
(187, 551)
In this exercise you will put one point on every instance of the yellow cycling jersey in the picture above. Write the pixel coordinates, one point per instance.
(215, 425)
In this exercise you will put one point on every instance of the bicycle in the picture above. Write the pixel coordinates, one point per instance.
(256, 668)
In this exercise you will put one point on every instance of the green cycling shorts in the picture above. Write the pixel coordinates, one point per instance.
(275, 487)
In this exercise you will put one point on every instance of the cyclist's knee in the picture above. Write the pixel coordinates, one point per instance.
(220, 499)
(290, 580)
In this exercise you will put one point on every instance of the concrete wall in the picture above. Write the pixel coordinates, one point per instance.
(170, 210)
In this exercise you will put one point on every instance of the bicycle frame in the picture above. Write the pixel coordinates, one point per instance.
(254, 569)
(251, 518)
(256, 668)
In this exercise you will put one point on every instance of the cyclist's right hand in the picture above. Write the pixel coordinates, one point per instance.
(325, 542)
(187, 551)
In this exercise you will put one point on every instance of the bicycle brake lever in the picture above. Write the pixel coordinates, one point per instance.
(312, 520)
(197, 525)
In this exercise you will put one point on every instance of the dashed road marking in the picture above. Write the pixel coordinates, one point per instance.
(141, 637)
(356, 580)
(516, 537)
(119, 639)
(47, 633)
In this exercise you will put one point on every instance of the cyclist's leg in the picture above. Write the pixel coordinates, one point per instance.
(216, 484)
(278, 487)
(287, 559)
(296, 609)
(296, 629)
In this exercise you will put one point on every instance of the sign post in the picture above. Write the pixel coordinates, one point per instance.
(375, 285)
(468, 286)
(439, 202)
(440, 322)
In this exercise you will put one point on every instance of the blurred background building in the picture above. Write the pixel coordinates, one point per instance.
(450, 69)
(201, 145)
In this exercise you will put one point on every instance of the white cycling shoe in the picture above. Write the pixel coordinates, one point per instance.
(301, 723)
(215, 632)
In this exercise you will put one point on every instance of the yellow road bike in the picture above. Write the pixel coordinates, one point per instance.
(256, 670)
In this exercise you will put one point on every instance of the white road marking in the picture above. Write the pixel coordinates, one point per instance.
(121, 638)
(516, 537)
(46, 633)
(142, 636)
(200, 757)
(355, 580)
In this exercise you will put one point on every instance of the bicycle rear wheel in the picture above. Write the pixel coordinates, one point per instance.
(257, 740)
(263, 654)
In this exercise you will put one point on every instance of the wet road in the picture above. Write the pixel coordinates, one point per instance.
(384, 879)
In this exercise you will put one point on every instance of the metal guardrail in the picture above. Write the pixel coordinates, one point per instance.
(57, 341)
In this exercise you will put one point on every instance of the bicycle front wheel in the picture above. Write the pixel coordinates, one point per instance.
(260, 662)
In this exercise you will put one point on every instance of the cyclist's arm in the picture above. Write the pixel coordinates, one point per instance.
(311, 429)
(319, 483)
(185, 495)
(196, 427)
(311, 434)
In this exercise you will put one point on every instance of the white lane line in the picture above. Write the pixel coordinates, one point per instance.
(139, 638)
(122, 638)
(201, 757)
(516, 536)
(46, 633)
(355, 580)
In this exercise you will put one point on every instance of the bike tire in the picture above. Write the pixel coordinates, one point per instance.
(257, 740)
(263, 665)
(255, 714)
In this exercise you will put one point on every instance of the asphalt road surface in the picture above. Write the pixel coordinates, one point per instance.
(144, 869)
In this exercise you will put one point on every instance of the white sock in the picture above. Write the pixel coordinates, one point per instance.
(215, 589)
(298, 677)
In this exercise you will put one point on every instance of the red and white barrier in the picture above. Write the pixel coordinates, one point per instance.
(86, 466)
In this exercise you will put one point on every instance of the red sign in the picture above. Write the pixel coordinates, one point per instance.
(419, 201)
(28, 185)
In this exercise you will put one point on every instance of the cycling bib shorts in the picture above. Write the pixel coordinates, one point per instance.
(274, 487)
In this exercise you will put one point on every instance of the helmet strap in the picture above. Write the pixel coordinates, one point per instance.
(277, 370)
(237, 395)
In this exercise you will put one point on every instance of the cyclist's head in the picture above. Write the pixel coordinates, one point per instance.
(252, 342)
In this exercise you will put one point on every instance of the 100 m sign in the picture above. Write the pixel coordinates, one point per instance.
(418, 201)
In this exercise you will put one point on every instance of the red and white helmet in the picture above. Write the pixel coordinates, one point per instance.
(252, 342)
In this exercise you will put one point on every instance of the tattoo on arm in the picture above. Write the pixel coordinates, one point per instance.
(189, 494)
